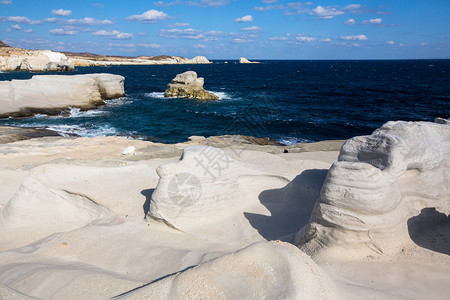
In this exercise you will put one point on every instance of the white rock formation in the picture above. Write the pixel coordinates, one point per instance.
(188, 85)
(36, 61)
(58, 197)
(53, 93)
(264, 270)
(206, 185)
(243, 60)
(379, 183)
(140, 60)
(198, 60)
(110, 86)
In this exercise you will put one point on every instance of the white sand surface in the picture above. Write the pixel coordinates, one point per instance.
(77, 222)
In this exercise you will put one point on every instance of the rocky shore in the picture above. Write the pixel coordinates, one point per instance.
(227, 217)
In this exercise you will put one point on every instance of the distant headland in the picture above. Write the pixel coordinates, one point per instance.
(18, 59)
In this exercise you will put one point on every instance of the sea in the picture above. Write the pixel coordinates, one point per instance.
(289, 101)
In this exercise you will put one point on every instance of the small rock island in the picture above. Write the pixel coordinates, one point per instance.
(188, 85)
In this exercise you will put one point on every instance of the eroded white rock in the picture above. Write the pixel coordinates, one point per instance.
(204, 188)
(274, 270)
(53, 93)
(36, 61)
(188, 85)
(378, 184)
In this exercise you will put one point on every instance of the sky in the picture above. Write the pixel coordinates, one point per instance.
(229, 29)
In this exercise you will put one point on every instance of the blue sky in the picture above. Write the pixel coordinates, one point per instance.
(228, 29)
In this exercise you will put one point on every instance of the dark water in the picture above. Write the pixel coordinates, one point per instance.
(289, 101)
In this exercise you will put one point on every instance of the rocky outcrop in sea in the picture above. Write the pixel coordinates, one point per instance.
(188, 85)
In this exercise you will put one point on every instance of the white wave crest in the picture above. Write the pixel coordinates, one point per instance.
(86, 131)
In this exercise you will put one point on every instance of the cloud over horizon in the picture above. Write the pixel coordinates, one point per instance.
(150, 16)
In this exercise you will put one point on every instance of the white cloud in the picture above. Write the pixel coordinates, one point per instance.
(247, 18)
(202, 3)
(291, 8)
(150, 16)
(304, 39)
(241, 40)
(390, 42)
(86, 21)
(269, 1)
(350, 22)
(352, 8)
(28, 31)
(325, 12)
(154, 46)
(7, 2)
(279, 38)
(181, 24)
(200, 46)
(113, 34)
(20, 19)
(14, 28)
(61, 12)
(251, 28)
(62, 31)
(360, 37)
(327, 40)
(372, 21)
(190, 34)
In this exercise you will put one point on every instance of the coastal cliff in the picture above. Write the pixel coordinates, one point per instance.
(94, 60)
(17, 59)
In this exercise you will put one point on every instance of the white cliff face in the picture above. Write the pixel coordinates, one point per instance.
(380, 182)
(52, 93)
(35, 61)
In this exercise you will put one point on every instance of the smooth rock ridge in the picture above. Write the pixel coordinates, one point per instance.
(243, 60)
(188, 85)
(380, 183)
(264, 270)
(53, 93)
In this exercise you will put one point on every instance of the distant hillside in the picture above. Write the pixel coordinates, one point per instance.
(4, 45)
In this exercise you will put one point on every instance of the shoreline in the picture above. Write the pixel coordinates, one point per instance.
(11, 134)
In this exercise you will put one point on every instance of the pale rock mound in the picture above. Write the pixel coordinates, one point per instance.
(188, 85)
(198, 60)
(380, 184)
(35, 61)
(206, 189)
(65, 197)
(54, 93)
(263, 270)
(243, 60)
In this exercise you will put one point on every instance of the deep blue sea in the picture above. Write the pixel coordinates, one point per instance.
(288, 101)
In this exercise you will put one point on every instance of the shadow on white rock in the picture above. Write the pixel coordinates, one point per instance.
(378, 184)
(62, 198)
(274, 270)
(206, 187)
